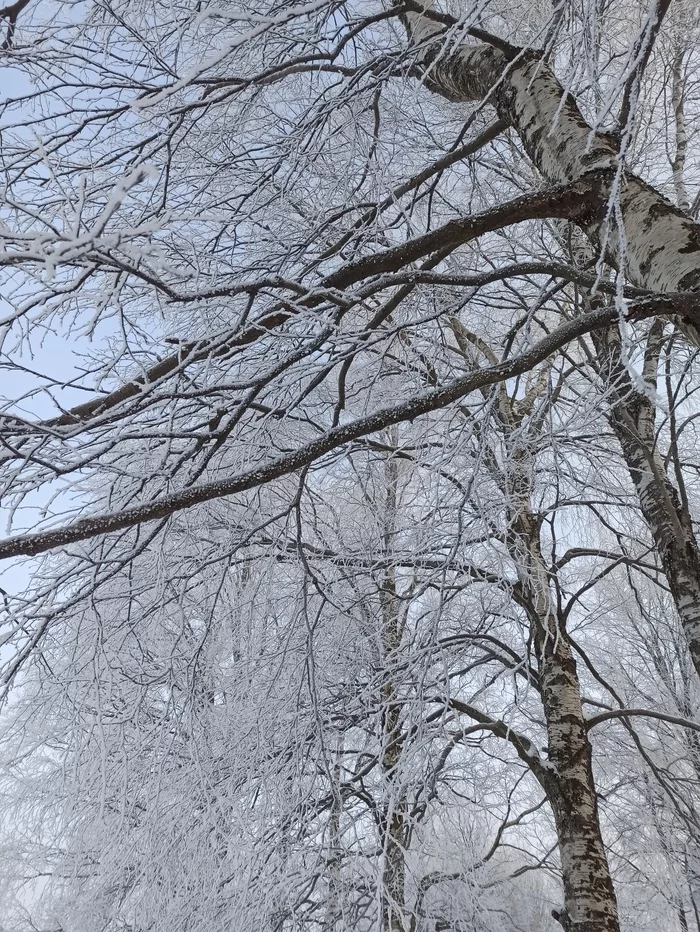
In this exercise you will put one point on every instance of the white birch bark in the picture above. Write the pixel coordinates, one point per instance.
(589, 896)
(660, 249)
(393, 821)
(678, 165)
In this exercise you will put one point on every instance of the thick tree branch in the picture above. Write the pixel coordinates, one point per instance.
(645, 713)
(659, 248)
(577, 202)
(640, 58)
(524, 747)
(424, 403)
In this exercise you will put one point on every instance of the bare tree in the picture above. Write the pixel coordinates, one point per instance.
(351, 351)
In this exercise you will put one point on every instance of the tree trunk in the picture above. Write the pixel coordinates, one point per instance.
(662, 253)
(668, 517)
(662, 244)
(632, 418)
(334, 857)
(590, 904)
(393, 896)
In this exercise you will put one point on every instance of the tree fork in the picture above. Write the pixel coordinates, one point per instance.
(660, 246)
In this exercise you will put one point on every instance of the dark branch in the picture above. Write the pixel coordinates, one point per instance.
(432, 400)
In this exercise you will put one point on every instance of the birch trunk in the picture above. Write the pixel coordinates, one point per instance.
(668, 517)
(333, 861)
(632, 418)
(590, 903)
(393, 896)
(661, 248)
(678, 164)
(666, 512)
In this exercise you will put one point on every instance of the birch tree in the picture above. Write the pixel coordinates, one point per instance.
(352, 351)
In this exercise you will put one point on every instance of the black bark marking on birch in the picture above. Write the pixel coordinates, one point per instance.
(693, 244)
(562, 145)
(589, 894)
(655, 212)
(691, 281)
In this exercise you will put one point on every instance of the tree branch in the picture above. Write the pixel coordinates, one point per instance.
(333, 439)
(576, 201)
(646, 713)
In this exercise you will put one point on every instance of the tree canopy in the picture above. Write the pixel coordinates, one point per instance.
(349, 466)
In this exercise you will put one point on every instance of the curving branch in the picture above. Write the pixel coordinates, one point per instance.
(333, 439)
